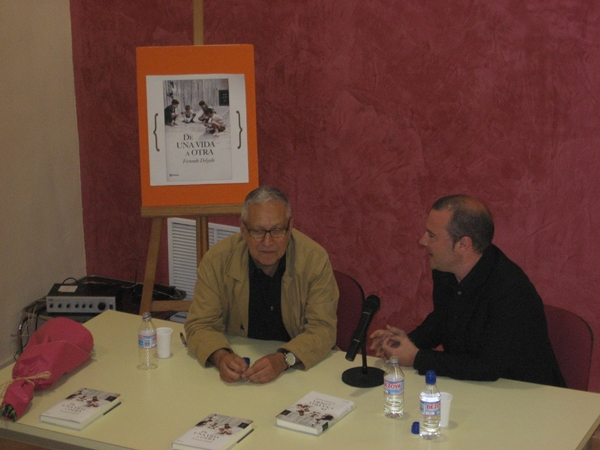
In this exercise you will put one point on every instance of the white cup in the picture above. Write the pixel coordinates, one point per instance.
(163, 341)
(446, 403)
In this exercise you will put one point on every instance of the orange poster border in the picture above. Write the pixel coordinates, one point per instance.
(197, 59)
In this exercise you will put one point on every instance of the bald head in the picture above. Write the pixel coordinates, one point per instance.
(469, 218)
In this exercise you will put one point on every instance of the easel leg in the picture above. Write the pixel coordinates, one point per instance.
(201, 237)
(151, 263)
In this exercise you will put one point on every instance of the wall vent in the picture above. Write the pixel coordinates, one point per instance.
(182, 250)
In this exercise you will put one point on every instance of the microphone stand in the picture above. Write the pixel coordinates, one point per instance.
(364, 376)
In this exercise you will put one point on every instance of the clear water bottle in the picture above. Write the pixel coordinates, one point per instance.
(393, 389)
(147, 343)
(431, 408)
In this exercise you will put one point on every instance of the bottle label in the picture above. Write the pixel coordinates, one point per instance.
(147, 340)
(393, 387)
(432, 408)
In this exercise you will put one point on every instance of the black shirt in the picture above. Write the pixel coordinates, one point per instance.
(491, 325)
(264, 308)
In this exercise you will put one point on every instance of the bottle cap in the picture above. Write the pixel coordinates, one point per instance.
(394, 360)
(430, 377)
(146, 316)
(415, 428)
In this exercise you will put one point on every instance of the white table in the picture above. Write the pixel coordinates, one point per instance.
(159, 405)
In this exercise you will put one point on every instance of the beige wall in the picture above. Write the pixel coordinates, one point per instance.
(41, 231)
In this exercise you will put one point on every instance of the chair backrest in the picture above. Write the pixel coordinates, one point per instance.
(349, 308)
(573, 341)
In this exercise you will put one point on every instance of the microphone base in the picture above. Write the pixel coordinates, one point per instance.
(363, 377)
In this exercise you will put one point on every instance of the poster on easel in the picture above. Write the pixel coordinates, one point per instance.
(197, 124)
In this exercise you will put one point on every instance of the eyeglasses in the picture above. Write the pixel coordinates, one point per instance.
(275, 233)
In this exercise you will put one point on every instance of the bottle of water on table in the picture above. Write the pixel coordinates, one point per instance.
(431, 408)
(147, 343)
(393, 389)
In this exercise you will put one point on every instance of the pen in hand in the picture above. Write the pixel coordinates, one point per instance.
(183, 339)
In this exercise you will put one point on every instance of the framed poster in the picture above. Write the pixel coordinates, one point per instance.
(197, 119)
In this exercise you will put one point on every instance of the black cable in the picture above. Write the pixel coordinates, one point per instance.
(20, 337)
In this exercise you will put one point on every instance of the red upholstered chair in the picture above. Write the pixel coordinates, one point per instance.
(349, 308)
(573, 341)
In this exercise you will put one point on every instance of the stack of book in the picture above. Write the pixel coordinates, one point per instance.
(81, 408)
(314, 413)
(214, 432)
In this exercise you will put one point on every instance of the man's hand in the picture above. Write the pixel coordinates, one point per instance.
(379, 336)
(266, 368)
(401, 347)
(230, 365)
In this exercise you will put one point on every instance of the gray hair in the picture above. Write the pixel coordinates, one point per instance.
(264, 194)
(469, 218)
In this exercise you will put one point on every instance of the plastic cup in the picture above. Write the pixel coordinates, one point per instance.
(446, 403)
(163, 341)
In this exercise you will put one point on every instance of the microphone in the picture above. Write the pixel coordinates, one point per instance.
(370, 307)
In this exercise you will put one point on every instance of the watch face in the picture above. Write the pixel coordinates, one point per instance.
(290, 359)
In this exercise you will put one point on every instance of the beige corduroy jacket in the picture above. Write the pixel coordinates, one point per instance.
(309, 297)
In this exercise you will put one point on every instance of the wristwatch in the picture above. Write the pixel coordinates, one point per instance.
(289, 358)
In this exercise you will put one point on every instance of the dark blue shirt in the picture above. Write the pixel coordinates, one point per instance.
(264, 308)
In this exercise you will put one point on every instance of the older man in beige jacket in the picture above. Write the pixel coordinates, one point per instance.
(267, 282)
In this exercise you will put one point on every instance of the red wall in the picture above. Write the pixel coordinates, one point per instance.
(105, 36)
(368, 112)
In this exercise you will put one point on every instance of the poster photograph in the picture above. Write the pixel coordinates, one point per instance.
(197, 131)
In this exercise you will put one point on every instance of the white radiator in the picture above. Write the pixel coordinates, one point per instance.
(182, 250)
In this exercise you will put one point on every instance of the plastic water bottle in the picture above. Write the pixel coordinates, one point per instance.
(431, 408)
(393, 389)
(147, 343)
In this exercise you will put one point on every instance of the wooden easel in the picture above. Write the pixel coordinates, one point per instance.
(158, 214)
(159, 200)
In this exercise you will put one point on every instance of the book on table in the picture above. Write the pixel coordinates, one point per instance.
(314, 413)
(214, 432)
(81, 408)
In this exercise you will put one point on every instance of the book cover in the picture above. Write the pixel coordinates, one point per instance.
(80, 409)
(314, 413)
(215, 432)
(202, 137)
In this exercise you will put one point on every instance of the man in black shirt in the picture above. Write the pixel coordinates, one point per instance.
(171, 113)
(488, 318)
